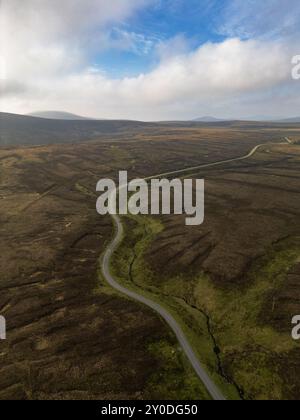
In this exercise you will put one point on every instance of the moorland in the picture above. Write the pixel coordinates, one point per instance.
(232, 282)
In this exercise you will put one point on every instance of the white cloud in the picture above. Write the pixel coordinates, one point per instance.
(173, 47)
(50, 36)
(52, 19)
(122, 39)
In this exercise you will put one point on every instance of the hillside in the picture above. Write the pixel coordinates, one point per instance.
(20, 130)
(27, 130)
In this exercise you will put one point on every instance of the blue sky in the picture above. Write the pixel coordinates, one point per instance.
(195, 21)
(150, 59)
(198, 22)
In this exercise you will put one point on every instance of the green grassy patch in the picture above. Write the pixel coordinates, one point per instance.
(130, 268)
(223, 326)
(176, 379)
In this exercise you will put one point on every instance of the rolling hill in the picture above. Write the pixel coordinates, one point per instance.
(28, 130)
(20, 130)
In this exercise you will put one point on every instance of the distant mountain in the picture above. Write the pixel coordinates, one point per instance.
(208, 119)
(58, 115)
(290, 120)
(257, 118)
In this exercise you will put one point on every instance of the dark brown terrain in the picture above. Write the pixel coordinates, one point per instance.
(70, 336)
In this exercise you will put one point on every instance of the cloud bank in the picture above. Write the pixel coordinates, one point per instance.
(47, 48)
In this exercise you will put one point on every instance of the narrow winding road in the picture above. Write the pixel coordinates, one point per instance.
(213, 390)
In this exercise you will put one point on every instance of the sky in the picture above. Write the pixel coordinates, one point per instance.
(150, 59)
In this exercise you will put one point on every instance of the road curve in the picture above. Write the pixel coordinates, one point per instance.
(213, 390)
